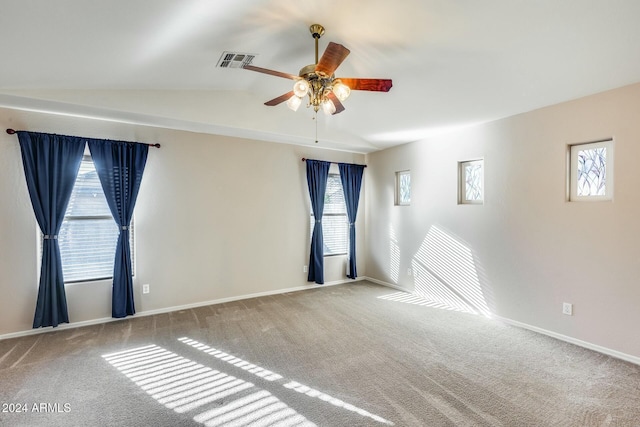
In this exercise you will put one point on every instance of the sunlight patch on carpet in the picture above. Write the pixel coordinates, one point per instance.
(407, 298)
(271, 376)
(183, 385)
(250, 367)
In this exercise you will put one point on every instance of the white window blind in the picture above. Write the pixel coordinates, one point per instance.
(89, 233)
(335, 224)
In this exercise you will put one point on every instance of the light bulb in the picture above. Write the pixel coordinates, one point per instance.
(341, 90)
(294, 102)
(328, 107)
(301, 88)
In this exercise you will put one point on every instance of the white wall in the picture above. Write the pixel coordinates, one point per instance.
(216, 217)
(526, 250)
(202, 235)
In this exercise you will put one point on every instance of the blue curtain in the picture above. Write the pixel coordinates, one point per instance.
(51, 164)
(120, 166)
(351, 178)
(317, 175)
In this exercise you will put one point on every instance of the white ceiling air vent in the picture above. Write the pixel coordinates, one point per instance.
(235, 59)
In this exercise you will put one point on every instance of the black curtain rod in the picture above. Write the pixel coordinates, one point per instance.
(304, 160)
(12, 131)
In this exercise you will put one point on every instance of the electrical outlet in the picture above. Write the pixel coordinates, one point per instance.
(304, 269)
(567, 308)
(145, 289)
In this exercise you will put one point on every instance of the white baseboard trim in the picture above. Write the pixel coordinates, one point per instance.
(172, 308)
(60, 327)
(387, 284)
(571, 340)
(561, 337)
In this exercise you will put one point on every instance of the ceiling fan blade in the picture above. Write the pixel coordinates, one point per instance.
(377, 85)
(339, 107)
(332, 58)
(279, 100)
(270, 72)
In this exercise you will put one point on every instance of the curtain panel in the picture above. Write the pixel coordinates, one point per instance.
(51, 164)
(351, 178)
(120, 166)
(317, 175)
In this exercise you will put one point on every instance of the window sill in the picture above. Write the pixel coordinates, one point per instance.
(90, 282)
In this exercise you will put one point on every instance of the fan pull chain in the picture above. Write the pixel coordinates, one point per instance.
(316, 119)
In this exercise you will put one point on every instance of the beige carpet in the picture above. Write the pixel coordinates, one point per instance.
(334, 356)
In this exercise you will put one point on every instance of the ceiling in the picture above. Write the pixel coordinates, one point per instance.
(453, 62)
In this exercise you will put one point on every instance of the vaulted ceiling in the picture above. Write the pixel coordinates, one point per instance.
(453, 62)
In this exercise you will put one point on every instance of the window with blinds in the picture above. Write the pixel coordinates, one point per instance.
(335, 224)
(89, 233)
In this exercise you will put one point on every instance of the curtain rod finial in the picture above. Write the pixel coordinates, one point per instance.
(11, 131)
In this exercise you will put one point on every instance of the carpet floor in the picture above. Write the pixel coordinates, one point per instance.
(335, 356)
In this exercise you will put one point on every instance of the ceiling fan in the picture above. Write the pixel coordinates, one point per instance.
(319, 82)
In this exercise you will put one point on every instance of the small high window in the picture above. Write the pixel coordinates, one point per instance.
(471, 182)
(403, 188)
(591, 173)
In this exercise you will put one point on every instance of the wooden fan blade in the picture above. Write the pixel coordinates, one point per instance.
(332, 58)
(270, 72)
(279, 100)
(377, 85)
(339, 107)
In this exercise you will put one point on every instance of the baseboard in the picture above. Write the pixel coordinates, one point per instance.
(387, 284)
(571, 340)
(60, 327)
(561, 337)
(173, 308)
(241, 297)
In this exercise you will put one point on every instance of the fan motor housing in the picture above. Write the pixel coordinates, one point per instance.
(309, 73)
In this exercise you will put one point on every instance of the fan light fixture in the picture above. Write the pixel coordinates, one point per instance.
(318, 81)
(319, 95)
(319, 86)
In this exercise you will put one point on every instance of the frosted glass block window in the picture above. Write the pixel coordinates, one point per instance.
(471, 182)
(591, 174)
(403, 188)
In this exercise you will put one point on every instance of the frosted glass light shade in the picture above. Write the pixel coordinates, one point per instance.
(294, 102)
(301, 88)
(341, 91)
(328, 107)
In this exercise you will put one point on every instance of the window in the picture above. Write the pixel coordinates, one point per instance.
(89, 234)
(335, 224)
(403, 188)
(471, 182)
(591, 173)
